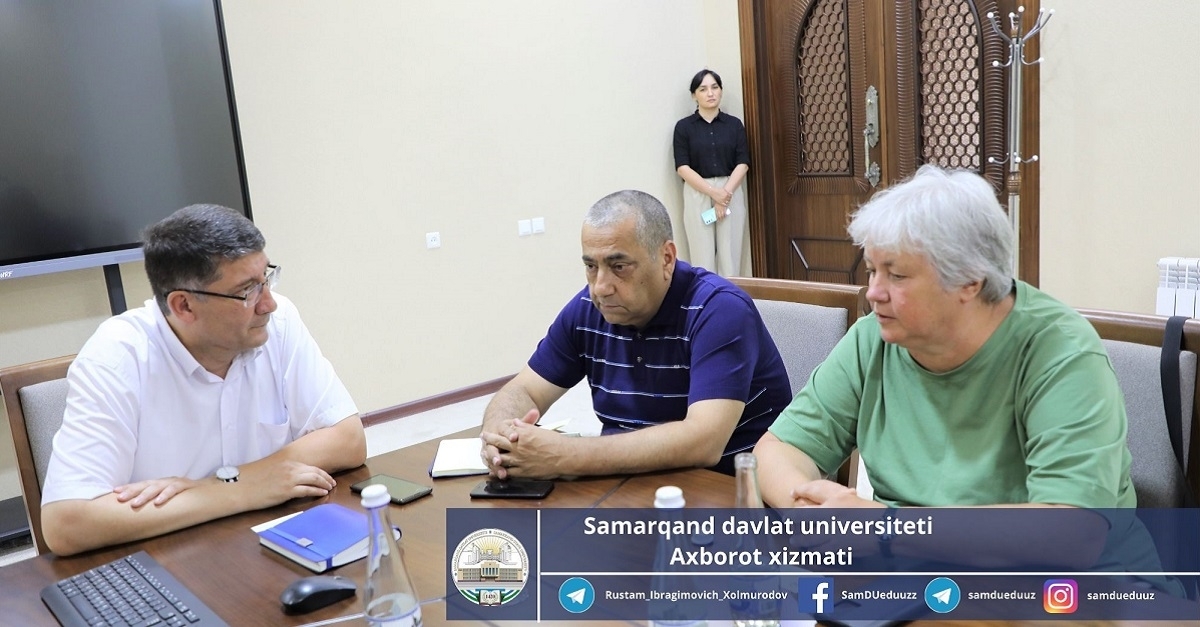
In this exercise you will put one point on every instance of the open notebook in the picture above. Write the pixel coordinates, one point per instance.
(457, 457)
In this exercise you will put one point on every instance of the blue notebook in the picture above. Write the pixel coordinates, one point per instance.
(324, 537)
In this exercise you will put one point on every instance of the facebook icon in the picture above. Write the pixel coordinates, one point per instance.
(813, 592)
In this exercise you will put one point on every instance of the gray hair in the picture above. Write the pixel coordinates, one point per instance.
(653, 227)
(185, 249)
(950, 216)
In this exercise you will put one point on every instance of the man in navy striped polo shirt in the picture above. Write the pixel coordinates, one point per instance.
(683, 372)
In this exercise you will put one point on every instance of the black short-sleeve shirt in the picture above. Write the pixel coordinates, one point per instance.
(710, 148)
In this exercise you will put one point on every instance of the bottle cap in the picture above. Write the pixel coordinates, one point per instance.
(375, 495)
(745, 460)
(668, 496)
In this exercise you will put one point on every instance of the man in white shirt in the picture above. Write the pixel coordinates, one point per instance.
(210, 400)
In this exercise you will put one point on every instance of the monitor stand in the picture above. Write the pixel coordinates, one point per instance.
(116, 289)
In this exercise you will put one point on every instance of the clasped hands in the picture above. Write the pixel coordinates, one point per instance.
(267, 483)
(828, 494)
(721, 197)
(825, 493)
(520, 448)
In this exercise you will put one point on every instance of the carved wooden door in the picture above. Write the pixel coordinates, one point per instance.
(815, 70)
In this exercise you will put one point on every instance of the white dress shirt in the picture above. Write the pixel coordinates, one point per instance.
(141, 407)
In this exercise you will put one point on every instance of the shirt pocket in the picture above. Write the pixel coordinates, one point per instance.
(273, 430)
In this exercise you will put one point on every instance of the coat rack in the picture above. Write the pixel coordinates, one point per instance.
(1016, 61)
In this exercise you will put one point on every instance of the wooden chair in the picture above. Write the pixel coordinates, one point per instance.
(35, 396)
(806, 319)
(852, 298)
(1134, 342)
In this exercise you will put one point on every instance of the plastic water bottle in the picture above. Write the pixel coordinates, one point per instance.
(666, 613)
(757, 612)
(390, 598)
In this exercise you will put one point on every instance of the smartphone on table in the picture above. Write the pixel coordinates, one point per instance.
(401, 490)
(512, 489)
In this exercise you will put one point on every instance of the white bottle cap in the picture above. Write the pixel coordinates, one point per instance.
(669, 497)
(375, 495)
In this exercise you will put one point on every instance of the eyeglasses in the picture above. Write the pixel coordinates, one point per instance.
(249, 296)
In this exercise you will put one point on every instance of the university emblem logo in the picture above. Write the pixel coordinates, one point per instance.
(490, 567)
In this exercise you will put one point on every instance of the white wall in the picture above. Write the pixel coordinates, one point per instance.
(1119, 134)
(367, 124)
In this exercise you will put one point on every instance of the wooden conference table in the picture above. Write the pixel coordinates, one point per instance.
(224, 565)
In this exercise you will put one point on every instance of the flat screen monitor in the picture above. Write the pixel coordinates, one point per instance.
(113, 114)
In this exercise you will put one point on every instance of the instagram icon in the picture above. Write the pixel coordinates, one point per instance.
(1060, 596)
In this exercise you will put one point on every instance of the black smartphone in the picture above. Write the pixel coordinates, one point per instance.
(401, 490)
(512, 489)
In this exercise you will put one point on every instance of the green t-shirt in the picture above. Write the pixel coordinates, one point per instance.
(1035, 416)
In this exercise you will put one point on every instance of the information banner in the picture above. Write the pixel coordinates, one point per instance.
(728, 564)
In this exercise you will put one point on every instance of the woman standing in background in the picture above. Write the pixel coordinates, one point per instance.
(711, 157)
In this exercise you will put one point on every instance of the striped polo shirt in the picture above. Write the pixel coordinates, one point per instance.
(707, 341)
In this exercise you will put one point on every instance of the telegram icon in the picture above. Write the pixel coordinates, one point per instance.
(576, 595)
(942, 595)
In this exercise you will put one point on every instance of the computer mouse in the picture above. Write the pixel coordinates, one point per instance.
(313, 593)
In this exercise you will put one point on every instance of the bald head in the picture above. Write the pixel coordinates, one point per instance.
(652, 225)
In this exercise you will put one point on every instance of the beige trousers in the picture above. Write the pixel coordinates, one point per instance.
(715, 247)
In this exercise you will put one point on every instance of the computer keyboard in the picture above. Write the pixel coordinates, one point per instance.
(134, 590)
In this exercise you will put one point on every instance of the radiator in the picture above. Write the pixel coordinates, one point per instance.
(1178, 283)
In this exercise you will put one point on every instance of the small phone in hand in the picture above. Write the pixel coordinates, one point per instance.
(511, 489)
(710, 216)
(401, 490)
